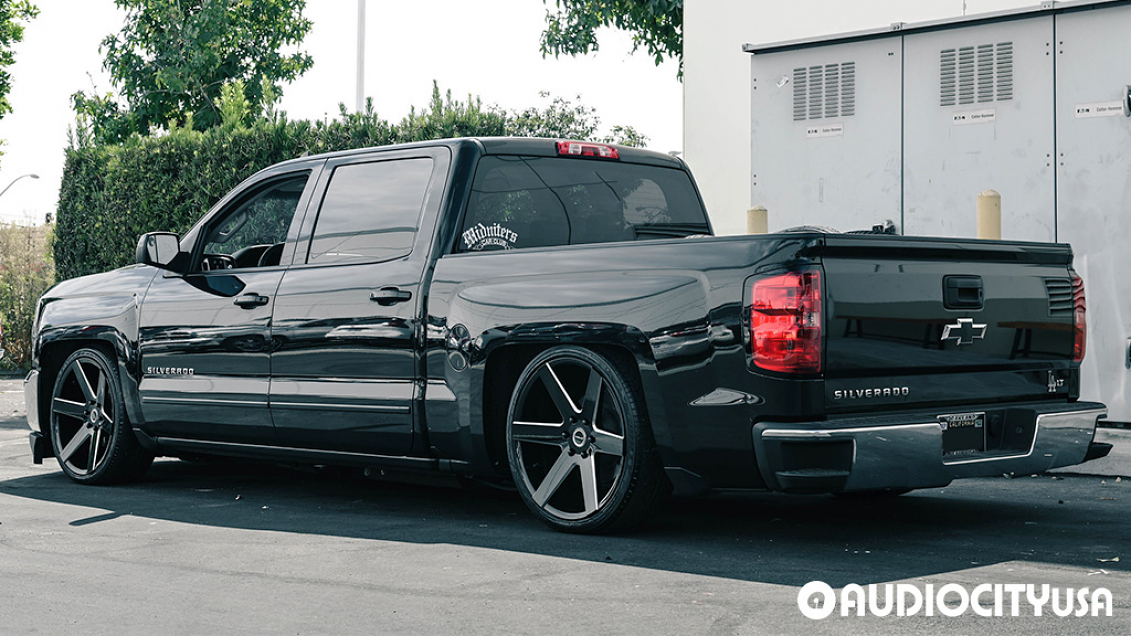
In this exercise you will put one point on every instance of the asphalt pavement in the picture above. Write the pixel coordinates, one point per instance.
(241, 548)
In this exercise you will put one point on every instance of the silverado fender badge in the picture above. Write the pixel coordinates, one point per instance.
(169, 371)
(965, 332)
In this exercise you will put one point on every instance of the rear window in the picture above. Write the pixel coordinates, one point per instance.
(519, 202)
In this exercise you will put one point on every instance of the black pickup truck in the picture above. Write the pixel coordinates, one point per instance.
(555, 315)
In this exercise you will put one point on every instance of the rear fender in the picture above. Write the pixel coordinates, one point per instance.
(607, 309)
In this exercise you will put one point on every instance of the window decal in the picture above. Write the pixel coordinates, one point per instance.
(494, 236)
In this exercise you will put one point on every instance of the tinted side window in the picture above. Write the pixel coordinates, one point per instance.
(256, 224)
(370, 212)
(521, 202)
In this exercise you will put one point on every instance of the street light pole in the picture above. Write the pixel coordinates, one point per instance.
(360, 54)
(33, 176)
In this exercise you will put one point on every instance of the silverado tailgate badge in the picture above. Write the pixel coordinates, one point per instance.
(965, 332)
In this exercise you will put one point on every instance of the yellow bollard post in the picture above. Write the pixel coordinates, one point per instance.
(989, 215)
(757, 220)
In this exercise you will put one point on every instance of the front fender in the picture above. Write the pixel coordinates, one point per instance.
(101, 310)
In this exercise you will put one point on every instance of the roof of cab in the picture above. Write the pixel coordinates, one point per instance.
(530, 146)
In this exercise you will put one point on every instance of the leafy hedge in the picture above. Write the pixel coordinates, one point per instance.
(25, 273)
(111, 194)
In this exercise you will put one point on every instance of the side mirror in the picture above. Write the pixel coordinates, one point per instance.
(159, 249)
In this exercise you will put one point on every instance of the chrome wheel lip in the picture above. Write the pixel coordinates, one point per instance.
(578, 436)
(91, 423)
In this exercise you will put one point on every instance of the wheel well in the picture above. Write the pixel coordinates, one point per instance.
(504, 365)
(51, 359)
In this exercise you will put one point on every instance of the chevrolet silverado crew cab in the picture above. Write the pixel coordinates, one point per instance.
(556, 315)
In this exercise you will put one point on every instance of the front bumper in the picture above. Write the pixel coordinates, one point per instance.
(40, 445)
(31, 399)
(905, 451)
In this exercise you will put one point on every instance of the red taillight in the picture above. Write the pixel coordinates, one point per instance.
(1079, 319)
(785, 322)
(586, 149)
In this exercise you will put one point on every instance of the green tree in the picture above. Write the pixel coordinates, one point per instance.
(13, 13)
(655, 25)
(445, 118)
(172, 58)
(112, 193)
(564, 119)
(26, 272)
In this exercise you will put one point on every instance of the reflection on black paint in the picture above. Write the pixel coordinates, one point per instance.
(224, 285)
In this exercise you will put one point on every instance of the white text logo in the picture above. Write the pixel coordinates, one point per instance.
(818, 600)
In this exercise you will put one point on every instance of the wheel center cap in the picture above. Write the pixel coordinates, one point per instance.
(92, 418)
(579, 437)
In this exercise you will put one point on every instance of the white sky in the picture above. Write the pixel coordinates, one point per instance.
(487, 48)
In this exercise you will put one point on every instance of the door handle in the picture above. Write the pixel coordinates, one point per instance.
(247, 301)
(387, 296)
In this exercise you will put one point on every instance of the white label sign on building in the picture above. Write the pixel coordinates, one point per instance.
(1099, 109)
(825, 130)
(967, 117)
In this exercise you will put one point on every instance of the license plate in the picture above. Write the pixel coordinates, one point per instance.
(963, 434)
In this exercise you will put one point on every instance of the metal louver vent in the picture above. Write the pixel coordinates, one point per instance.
(966, 75)
(1059, 292)
(832, 90)
(800, 91)
(848, 89)
(824, 92)
(948, 77)
(986, 73)
(976, 74)
(816, 92)
(1004, 71)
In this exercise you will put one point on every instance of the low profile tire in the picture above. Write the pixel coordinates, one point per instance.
(91, 435)
(580, 448)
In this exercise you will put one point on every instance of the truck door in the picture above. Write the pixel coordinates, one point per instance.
(206, 334)
(345, 327)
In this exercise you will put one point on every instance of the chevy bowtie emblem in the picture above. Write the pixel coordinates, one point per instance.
(965, 332)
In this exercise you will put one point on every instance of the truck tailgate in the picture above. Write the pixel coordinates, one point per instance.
(930, 321)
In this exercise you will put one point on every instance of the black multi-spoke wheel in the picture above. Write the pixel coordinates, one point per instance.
(578, 441)
(89, 429)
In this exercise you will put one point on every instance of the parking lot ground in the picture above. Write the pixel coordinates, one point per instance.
(239, 548)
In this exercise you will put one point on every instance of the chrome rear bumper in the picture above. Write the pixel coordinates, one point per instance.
(905, 451)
